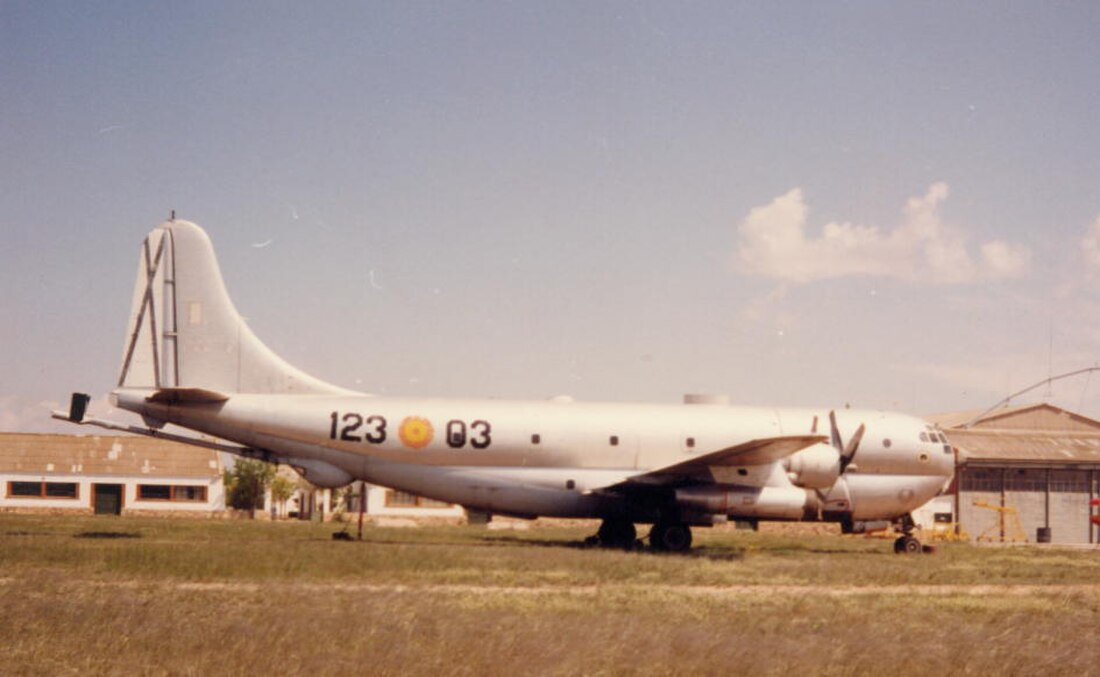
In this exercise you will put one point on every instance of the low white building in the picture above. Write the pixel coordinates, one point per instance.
(308, 502)
(122, 474)
(104, 474)
(383, 502)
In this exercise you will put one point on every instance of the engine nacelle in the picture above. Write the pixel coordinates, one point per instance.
(766, 502)
(815, 468)
(324, 475)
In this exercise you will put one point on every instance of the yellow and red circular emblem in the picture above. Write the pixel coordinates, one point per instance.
(415, 432)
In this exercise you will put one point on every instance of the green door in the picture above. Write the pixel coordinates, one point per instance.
(107, 499)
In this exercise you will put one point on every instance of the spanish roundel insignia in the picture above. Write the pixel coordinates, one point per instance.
(415, 432)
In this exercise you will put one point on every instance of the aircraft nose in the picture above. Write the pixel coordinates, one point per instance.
(945, 463)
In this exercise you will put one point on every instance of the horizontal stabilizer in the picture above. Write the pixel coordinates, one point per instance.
(160, 434)
(702, 468)
(186, 396)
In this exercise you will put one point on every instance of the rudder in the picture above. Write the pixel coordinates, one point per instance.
(184, 331)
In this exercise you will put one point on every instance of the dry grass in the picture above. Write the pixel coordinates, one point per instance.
(204, 597)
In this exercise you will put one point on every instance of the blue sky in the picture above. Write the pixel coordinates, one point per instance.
(893, 206)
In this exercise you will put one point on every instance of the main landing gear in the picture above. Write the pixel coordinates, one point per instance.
(664, 537)
(907, 543)
(615, 533)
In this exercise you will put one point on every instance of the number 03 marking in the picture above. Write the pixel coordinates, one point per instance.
(477, 433)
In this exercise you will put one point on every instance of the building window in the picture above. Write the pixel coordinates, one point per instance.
(1070, 481)
(1026, 480)
(154, 492)
(400, 499)
(189, 493)
(981, 479)
(61, 489)
(43, 490)
(171, 492)
(403, 499)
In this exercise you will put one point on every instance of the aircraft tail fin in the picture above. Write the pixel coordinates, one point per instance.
(185, 333)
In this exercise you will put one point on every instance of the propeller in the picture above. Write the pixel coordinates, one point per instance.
(847, 451)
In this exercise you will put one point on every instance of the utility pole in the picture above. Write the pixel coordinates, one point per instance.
(362, 505)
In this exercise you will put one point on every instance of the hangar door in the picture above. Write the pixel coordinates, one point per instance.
(1043, 497)
(1025, 490)
(1069, 506)
(984, 485)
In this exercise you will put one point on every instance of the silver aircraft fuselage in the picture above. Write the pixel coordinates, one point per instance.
(549, 458)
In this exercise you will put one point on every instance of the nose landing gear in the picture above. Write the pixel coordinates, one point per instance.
(907, 543)
(670, 537)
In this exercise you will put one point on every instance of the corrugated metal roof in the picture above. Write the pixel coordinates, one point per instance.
(1031, 433)
(104, 455)
(1030, 417)
(1042, 447)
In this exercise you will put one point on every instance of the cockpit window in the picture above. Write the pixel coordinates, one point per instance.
(923, 436)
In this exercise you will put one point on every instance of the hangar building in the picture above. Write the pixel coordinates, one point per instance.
(1025, 471)
(107, 474)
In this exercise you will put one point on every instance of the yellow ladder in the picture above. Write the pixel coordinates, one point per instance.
(1008, 528)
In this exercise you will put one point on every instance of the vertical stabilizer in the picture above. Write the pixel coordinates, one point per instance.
(184, 331)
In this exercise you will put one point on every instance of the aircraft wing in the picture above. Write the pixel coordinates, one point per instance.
(712, 467)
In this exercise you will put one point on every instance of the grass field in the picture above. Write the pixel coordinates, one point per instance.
(159, 596)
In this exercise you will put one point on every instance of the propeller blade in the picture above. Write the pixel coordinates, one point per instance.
(846, 451)
(835, 433)
(852, 447)
(853, 444)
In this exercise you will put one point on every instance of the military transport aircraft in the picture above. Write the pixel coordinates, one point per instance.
(189, 359)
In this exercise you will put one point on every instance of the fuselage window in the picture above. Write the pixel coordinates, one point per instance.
(536, 438)
(614, 440)
(690, 442)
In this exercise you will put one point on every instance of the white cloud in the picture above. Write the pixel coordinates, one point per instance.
(774, 243)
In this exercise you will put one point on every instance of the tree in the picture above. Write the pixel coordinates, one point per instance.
(281, 491)
(246, 484)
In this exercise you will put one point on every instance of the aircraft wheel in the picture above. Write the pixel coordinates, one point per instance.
(907, 545)
(670, 537)
(617, 533)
